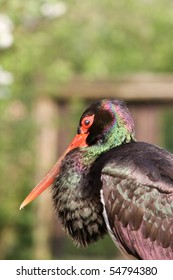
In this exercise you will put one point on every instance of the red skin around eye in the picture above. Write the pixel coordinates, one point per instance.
(84, 126)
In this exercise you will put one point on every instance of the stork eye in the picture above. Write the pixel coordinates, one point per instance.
(87, 122)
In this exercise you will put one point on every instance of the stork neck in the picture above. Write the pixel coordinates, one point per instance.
(91, 153)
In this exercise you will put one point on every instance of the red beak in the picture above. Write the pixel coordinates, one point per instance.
(78, 141)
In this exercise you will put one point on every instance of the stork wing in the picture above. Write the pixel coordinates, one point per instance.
(137, 192)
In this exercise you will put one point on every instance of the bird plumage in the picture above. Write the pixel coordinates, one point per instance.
(109, 182)
(137, 185)
(77, 200)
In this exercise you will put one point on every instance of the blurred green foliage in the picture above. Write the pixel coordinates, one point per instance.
(93, 39)
(168, 129)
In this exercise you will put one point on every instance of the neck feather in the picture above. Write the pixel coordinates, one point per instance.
(115, 138)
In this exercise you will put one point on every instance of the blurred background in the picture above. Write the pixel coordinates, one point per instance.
(56, 57)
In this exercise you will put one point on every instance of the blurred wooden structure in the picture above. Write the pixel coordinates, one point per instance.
(135, 88)
(145, 95)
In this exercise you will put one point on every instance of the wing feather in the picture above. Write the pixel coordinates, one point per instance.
(137, 184)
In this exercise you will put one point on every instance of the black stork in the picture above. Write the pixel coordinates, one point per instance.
(107, 182)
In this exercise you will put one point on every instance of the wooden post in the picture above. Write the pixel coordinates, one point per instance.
(45, 114)
(147, 122)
